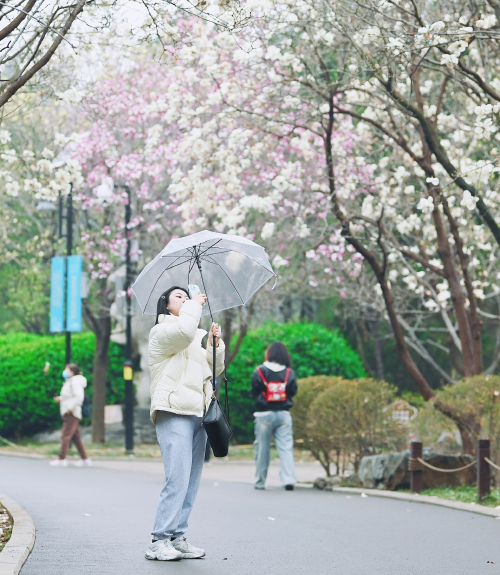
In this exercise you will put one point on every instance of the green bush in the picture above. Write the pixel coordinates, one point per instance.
(477, 399)
(341, 420)
(26, 392)
(315, 350)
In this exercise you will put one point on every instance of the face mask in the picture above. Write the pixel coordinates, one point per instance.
(65, 374)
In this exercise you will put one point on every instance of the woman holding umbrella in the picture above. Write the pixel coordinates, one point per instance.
(231, 270)
(181, 391)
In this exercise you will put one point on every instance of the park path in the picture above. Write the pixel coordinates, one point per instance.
(96, 521)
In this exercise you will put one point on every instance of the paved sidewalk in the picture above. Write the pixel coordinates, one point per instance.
(96, 521)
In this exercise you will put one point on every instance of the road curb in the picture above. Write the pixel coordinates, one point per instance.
(16, 552)
(427, 499)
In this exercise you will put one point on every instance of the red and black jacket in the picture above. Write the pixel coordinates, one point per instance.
(259, 389)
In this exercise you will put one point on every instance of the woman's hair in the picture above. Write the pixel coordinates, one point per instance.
(75, 368)
(278, 353)
(161, 307)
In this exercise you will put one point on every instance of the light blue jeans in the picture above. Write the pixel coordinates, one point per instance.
(279, 424)
(182, 442)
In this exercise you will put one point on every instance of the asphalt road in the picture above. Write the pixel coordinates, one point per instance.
(97, 521)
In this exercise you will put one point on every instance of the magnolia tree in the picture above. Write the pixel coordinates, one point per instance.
(32, 32)
(420, 91)
(250, 158)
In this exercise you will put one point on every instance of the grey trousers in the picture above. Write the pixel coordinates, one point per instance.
(182, 442)
(279, 424)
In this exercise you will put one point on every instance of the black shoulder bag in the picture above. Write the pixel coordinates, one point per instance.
(215, 422)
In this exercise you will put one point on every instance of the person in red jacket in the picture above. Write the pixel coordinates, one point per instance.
(273, 386)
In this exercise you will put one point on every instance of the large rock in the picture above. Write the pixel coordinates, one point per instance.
(448, 443)
(390, 470)
(327, 483)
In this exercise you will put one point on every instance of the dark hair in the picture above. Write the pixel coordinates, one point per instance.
(161, 307)
(278, 352)
(75, 368)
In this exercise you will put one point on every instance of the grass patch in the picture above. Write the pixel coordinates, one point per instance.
(26, 447)
(6, 525)
(147, 450)
(467, 494)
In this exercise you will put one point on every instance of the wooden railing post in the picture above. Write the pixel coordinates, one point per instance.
(416, 480)
(483, 469)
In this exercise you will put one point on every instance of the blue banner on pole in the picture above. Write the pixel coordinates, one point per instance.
(74, 303)
(57, 294)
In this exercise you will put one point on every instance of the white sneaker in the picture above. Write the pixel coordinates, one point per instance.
(187, 550)
(84, 462)
(163, 550)
(59, 463)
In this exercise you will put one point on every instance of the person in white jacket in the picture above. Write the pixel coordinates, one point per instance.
(70, 401)
(181, 391)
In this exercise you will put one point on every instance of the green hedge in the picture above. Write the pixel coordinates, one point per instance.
(26, 392)
(315, 350)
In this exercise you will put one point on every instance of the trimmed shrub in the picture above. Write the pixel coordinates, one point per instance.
(26, 392)
(342, 420)
(315, 350)
(478, 400)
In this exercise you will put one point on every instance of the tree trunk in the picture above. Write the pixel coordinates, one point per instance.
(245, 315)
(457, 294)
(379, 269)
(286, 309)
(101, 326)
(99, 378)
(469, 427)
(375, 331)
(474, 321)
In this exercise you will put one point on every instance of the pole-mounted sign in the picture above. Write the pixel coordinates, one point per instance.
(66, 288)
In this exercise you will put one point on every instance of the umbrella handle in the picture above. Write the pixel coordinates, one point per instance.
(214, 343)
(203, 283)
(214, 361)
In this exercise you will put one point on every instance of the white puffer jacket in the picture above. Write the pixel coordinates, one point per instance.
(181, 369)
(72, 395)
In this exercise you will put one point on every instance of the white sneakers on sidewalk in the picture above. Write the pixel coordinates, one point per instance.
(166, 550)
(188, 551)
(59, 463)
(163, 550)
(64, 463)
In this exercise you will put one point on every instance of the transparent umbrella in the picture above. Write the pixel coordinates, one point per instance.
(228, 269)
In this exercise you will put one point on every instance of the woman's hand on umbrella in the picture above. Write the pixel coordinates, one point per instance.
(214, 332)
(200, 298)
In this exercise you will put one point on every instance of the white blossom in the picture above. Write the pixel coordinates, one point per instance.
(449, 60)
(267, 230)
(426, 205)
(279, 262)
(12, 189)
(468, 200)
(72, 96)
(4, 136)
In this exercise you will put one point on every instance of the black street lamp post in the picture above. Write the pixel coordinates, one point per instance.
(104, 194)
(128, 373)
(46, 206)
(69, 250)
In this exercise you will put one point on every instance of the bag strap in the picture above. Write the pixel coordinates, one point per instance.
(226, 399)
(287, 375)
(262, 376)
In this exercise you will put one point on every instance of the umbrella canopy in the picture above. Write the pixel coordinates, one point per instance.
(229, 269)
